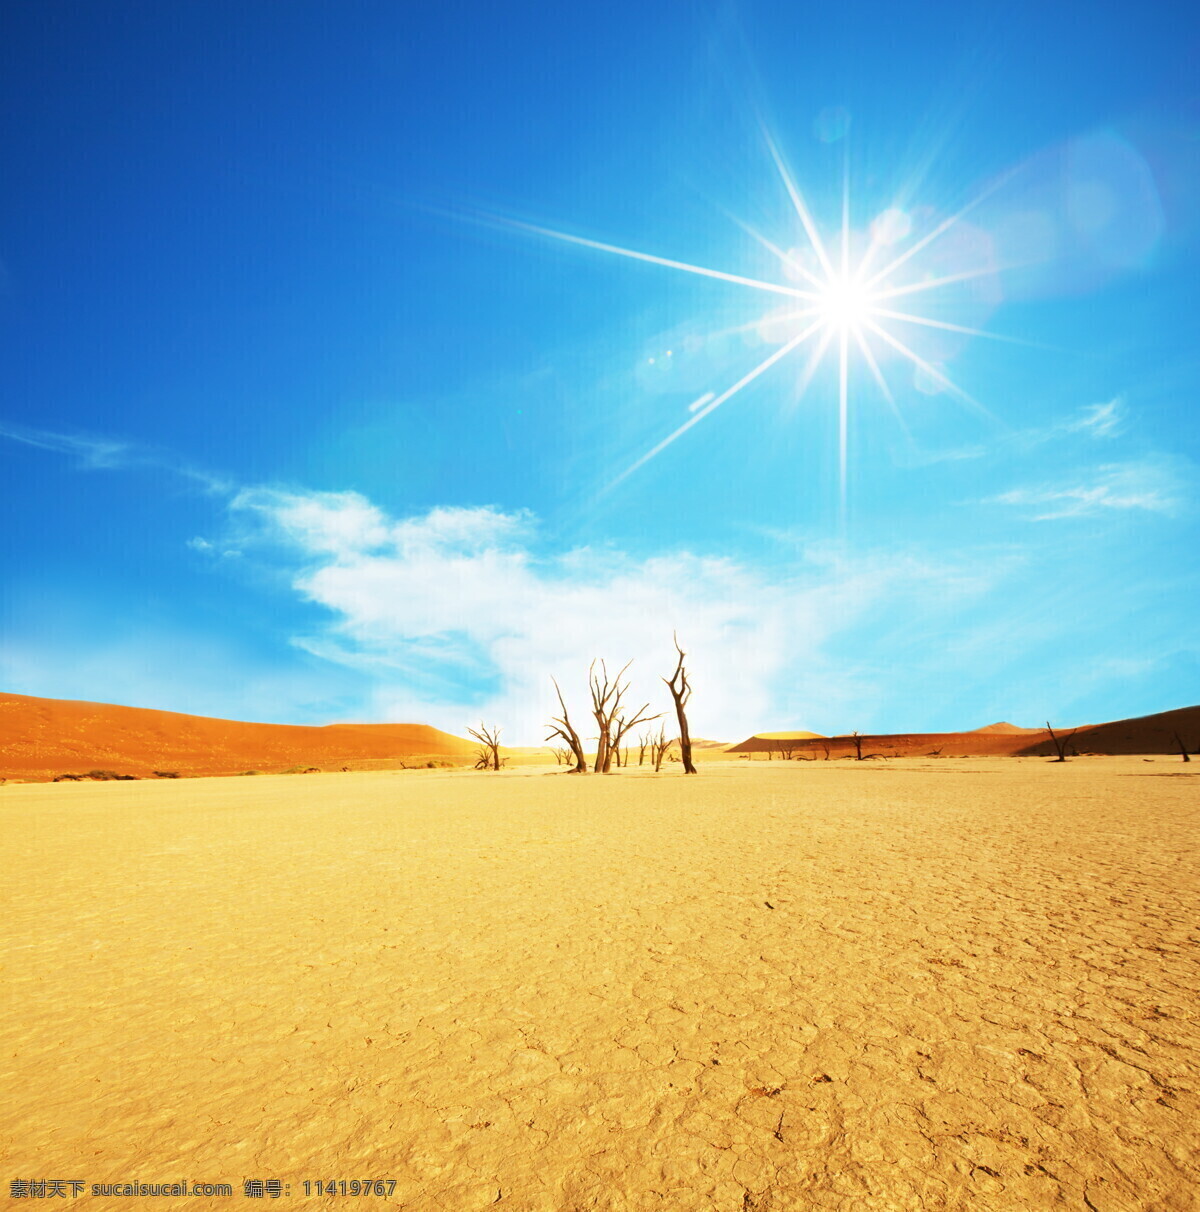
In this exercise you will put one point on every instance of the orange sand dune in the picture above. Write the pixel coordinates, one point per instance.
(787, 736)
(1143, 734)
(46, 737)
(908, 744)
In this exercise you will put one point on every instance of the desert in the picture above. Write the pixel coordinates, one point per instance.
(598, 608)
(903, 984)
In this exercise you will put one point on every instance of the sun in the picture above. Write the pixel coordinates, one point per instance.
(845, 307)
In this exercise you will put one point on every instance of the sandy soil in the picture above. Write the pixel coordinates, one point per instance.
(961, 984)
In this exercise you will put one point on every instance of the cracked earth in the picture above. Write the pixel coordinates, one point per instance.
(914, 985)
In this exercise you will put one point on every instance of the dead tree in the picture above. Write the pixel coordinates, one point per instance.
(611, 723)
(489, 747)
(644, 742)
(1182, 747)
(1060, 743)
(659, 746)
(857, 745)
(621, 726)
(677, 684)
(561, 726)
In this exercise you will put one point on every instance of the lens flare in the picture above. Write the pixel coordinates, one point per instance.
(840, 301)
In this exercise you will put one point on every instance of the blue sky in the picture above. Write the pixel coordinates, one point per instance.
(303, 421)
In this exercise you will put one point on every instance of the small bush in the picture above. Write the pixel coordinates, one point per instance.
(167, 774)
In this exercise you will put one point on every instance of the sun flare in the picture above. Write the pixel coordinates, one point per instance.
(844, 305)
(838, 301)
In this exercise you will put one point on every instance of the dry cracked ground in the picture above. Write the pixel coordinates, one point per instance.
(907, 985)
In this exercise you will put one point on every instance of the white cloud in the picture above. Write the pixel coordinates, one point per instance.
(1099, 420)
(109, 454)
(92, 452)
(1150, 485)
(458, 618)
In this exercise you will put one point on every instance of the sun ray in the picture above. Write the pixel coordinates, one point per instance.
(843, 424)
(971, 332)
(914, 288)
(770, 318)
(785, 257)
(845, 217)
(941, 228)
(843, 302)
(810, 227)
(773, 287)
(813, 364)
(877, 374)
(931, 370)
(713, 405)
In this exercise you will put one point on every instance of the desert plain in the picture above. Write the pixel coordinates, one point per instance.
(916, 984)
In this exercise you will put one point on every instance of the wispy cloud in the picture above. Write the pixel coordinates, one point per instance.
(91, 452)
(457, 615)
(1093, 421)
(1151, 485)
(1098, 420)
(97, 453)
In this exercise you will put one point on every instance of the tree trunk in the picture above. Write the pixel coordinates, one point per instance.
(681, 692)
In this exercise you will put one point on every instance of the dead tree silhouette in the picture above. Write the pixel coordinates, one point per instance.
(561, 726)
(611, 723)
(621, 726)
(681, 691)
(659, 746)
(489, 747)
(1060, 743)
(644, 741)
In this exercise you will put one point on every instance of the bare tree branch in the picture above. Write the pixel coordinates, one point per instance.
(561, 726)
(659, 746)
(1060, 743)
(489, 747)
(611, 723)
(681, 691)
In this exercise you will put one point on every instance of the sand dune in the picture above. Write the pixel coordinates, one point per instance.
(43, 738)
(785, 736)
(1143, 734)
(919, 986)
